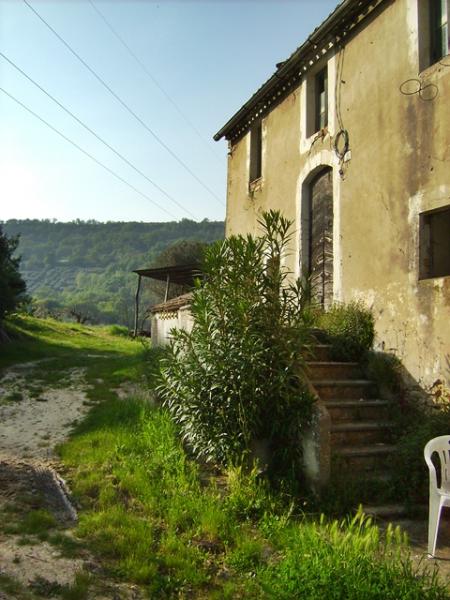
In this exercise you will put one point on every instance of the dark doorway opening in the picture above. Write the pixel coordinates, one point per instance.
(320, 259)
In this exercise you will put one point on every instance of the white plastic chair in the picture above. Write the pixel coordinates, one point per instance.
(439, 496)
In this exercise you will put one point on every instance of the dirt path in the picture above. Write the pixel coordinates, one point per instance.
(39, 418)
(417, 531)
(34, 418)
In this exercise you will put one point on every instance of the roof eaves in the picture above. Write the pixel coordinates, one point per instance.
(334, 29)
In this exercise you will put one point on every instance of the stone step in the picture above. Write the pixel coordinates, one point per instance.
(365, 458)
(379, 478)
(349, 389)
(319, 335)
(320, 352)
(372, 488)
(356, 410)
(359, 433)
(334, 370)
(385, 511)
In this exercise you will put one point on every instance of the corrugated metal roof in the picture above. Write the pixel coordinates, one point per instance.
(180, 274)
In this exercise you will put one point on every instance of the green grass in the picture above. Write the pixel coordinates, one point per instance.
(154, 517)
(13, 396)
(118, 330)
(107, 360)
(147, 514)
(37, 522)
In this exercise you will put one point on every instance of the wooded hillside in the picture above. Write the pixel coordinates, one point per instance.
(89, 264)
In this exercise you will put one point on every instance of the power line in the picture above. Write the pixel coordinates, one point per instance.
(124, 104)
(78, 120)
(130, 185)
(153, 79)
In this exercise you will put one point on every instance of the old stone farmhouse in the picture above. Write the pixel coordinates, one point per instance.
(350, 138)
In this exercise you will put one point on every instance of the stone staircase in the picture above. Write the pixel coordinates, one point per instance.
(360, 426)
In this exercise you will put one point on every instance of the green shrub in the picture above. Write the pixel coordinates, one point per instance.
(235, 379)
(386, 369)
(349, 328)
(120, 330)
(12, 286)
(247, 496)
(410, 473)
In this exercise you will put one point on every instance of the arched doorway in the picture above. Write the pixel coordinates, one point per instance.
(318, 234)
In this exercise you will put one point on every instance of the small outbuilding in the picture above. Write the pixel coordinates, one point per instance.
(172, 312)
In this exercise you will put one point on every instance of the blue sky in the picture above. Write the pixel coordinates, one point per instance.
(208, 56)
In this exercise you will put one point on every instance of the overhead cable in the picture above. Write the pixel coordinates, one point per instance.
(113, 173)
(124, 104)
(153, 79)
(78, 120)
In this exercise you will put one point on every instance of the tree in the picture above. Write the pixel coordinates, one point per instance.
(83, 312)
(236, 378)
(12, 286)
(76, 258)
(183, 252)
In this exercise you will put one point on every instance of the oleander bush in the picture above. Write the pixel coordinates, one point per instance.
(235, 381)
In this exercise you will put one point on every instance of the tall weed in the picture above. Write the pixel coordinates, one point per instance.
(344, 559)
(349, 328)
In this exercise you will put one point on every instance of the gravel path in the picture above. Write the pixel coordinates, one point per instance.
(30, 427)
(34, 418)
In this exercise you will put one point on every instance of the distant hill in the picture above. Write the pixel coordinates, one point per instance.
(91, 263)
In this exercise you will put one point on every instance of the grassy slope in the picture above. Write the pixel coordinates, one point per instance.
(148, 514)
(109, 360)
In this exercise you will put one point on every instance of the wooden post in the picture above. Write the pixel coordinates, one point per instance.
(136, 306)
(166, 295)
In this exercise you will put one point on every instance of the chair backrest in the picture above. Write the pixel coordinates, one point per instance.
(440, 445)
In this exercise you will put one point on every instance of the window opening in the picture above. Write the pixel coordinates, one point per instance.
(438, 29)
(434, 244)
(321, 93)
(256, 152)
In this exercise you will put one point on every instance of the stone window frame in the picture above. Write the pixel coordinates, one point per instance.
(255, 161)
(429, 230)
(314, 82)
(308, 133)
(429, 40)
(321, 91)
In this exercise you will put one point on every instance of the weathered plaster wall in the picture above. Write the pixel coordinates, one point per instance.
(281, 156)
(163, 323)
(399, 167)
